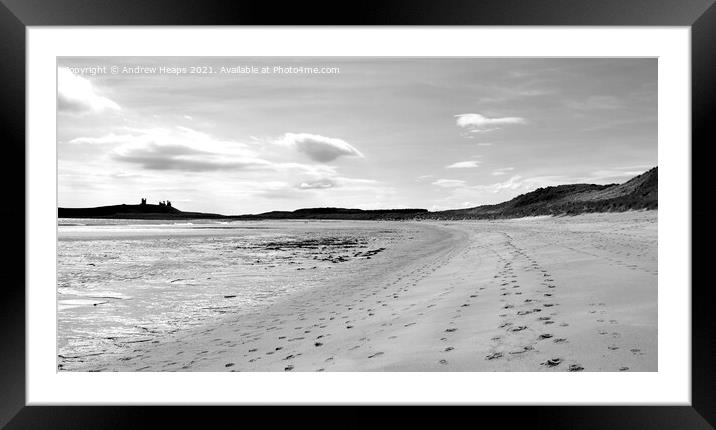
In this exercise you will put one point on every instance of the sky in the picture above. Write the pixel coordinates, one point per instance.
(239, 135)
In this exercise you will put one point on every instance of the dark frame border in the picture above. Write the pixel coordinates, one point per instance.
(15, 15)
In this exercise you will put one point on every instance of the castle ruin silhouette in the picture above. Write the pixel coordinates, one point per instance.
(166, 203)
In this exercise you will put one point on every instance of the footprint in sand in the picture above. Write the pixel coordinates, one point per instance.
(623, 369)
(575, 368)
(544, 336)
(552, 362)
(375, 355)
(522, 350)
(288, 368)
(493, 356)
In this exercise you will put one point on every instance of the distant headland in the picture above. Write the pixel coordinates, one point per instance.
(164, 210)
(640, 192)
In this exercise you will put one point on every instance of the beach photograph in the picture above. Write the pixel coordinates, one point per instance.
(357, 214)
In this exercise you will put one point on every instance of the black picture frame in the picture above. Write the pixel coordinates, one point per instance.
(16, 15)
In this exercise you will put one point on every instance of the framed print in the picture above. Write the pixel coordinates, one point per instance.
(393, 213)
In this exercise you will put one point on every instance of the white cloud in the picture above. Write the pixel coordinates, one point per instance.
(514, 183)
(319, 184)
(77, 95)
(234, 170)
(156, 156)
(449, 183)
(477, 123)
(518, 185)
(319, 148)
(338, 181)
(464, 165)
(461, 194)
(502, 171)
(178, 149)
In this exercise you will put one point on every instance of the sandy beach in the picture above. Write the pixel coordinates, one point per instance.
(575, 293)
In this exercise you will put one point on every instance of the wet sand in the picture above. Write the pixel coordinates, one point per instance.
(534, 294)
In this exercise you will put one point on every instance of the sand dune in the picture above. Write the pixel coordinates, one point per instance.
(533, 294)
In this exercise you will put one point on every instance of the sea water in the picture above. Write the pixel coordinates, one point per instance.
(123, 282)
